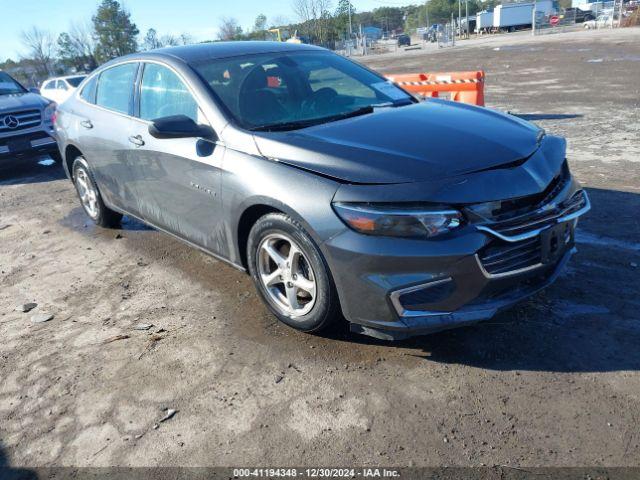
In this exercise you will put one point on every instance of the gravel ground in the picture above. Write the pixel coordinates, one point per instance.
(554, 381)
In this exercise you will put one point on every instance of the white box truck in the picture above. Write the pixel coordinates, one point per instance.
(513, 16)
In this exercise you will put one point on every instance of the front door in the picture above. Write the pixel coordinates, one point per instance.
(177, 180)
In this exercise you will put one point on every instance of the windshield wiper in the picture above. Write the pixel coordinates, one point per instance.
(279, 127)
(313, 121)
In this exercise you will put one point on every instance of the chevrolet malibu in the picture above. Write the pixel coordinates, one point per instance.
(342, 195)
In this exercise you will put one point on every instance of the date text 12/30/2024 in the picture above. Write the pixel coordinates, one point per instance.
(316, 472)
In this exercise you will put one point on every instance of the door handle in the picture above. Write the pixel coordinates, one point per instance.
(87, 124)
(136, 140)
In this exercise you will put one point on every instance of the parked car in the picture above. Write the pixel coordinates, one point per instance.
(578, 15)
(433, 31)
(336, 190)
(603, 21)
(403, 40)
(60, 88)
(26, 123)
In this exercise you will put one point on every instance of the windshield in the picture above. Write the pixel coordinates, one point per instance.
(8, 85)
(294, 90)
(75, 81)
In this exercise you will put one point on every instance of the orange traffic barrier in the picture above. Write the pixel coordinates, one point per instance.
(466, 87)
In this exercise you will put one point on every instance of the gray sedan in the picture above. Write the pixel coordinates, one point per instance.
(341, 194)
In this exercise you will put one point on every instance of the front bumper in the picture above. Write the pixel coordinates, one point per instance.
(445, 283)
(24, 145)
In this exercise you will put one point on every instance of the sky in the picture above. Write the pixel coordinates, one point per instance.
(200, 18)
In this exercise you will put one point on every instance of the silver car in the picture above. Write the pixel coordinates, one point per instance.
(341, 194)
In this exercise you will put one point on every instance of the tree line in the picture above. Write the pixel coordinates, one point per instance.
(111, 33)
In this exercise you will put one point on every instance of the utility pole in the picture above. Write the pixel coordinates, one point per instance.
(453, 32)
(533, 20)
(619, 15)
(350, 27)
(459, 17)
(466, 27)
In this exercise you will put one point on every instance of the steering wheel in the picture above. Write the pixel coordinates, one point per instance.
(319, 102)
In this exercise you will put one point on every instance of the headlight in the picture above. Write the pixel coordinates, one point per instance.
(395, 221)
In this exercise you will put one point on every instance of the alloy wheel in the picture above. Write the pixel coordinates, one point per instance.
(286, 275)
(87, 192)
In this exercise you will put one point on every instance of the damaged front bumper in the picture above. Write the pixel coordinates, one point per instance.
(393, 289)
(489, 302)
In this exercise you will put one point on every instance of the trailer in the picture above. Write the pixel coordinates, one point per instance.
(463, 28)
(514, 16)
(484, 21)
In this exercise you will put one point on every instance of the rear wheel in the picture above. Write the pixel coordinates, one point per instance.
(291, 275)
(90, 196)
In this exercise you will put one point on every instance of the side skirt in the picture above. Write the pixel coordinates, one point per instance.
(183, 240)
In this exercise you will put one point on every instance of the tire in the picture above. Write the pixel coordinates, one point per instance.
(272, 232)
(90, 197)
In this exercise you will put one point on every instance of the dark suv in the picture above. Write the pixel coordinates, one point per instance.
(404, 40)
(26, 123)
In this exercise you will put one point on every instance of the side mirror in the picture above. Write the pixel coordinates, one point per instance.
(180, 126)
(35, 90)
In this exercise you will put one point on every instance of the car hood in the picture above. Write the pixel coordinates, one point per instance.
(426, 141)
(21, 100)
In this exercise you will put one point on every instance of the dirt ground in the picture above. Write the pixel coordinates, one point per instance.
(553, 382)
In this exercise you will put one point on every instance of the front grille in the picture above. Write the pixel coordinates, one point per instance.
(540, 218)
(502, 257)
(25, 119)
(509, 209)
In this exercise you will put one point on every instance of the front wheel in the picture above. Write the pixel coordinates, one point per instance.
(291, 275)
(90, 197)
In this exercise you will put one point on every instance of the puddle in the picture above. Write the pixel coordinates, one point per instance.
(595, 60)
(131, 224)
(78, 220)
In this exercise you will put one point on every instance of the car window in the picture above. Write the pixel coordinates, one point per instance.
(8, 85)
(75, 81)
(163, 94)
(88, 93)
(264, 90)
(60, 85)
(49, 85)
(115, 87)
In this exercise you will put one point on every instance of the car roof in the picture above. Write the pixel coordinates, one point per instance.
(204, 51)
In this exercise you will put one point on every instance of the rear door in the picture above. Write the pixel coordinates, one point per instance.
(178, 179)
(106, 130)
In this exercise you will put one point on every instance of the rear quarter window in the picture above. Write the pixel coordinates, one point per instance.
(115, 88)
(88, 92)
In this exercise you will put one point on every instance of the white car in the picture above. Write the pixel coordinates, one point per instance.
(603, 21)
(60, 88)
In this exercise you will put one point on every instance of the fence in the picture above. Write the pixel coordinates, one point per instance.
(600, 15)
(446, 37)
